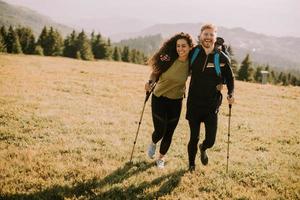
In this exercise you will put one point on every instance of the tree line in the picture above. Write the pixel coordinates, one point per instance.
(81, 46)
(76, 45)
(249, 72)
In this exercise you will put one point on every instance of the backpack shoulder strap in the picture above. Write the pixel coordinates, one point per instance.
(217, 63)
(216, 60)
(195, 54)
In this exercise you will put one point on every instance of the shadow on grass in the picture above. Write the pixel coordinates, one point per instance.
(85, 190)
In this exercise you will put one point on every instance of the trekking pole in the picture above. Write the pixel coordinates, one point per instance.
(148, 93)
(228, 141)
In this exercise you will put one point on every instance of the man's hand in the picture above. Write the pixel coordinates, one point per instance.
(230, 99)
(219, 87)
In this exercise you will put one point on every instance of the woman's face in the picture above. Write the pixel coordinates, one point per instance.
(182, 48)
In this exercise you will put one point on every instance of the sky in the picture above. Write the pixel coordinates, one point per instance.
(271, 17)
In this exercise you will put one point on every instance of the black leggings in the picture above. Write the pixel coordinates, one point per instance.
(165, 116)
(211, 122)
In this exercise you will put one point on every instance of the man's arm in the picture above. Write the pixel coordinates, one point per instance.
(229, 82)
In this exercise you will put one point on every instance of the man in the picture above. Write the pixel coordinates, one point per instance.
(204, 97)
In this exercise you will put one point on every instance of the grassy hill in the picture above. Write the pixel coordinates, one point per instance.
(21, 16)
(67, 128)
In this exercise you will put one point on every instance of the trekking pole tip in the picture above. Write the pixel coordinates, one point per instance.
(129, 163)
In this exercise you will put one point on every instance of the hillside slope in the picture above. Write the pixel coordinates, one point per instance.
(67, 129)
(21, 16)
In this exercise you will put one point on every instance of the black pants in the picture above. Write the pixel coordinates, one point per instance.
(210, 121)
(165, 116)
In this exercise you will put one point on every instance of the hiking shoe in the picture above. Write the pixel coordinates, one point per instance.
(192, 168)
(151, 150)
(203, 156)
(160, 163)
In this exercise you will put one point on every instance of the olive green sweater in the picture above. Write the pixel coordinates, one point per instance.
(171, 83)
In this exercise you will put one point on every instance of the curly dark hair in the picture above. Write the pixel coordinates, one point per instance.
(168, 48)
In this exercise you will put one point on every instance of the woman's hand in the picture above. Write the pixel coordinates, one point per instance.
(149, 85)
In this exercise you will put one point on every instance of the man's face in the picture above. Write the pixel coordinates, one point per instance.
(208, 38)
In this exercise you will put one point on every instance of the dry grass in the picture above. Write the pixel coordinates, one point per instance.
(67, 129)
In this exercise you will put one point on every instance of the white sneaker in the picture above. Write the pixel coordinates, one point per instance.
(151, 150)
(160, 163)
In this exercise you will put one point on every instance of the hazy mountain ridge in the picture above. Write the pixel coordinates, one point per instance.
(147, 44)
(275, 51)
(109, 26)
(280, 52)
(21, 16)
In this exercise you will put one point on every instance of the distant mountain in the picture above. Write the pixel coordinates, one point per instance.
(21, 16)
(109, 26)
(148, 44)
(283, 52)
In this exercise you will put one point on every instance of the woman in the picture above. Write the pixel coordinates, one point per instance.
(170, 77)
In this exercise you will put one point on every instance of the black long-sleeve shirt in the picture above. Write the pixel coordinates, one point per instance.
(202, 90)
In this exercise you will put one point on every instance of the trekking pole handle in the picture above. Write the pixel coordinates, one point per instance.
(229, 96)
(148, 93)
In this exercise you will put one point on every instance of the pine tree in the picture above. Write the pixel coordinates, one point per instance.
(267, 68)
(54, 43)
(125, 55)
(38, 50)
(133, 56)
(93, 37)
(84, 46)
(99, 47)
(280, 77)
(284, 80)
(245, 71)
(42, 41)
(3, 32)
(109, 50)
(289, 78)
(272, 77)
(116, 54)
(257, 74)
(51, 41)
(2, 44)
(78, 55)
(70, 45)
(293, 81)
(13, 43)
(140, 57)
(27, 40)
(3, 38)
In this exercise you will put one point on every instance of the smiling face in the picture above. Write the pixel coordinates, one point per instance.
(182, 48)
(208, 37)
